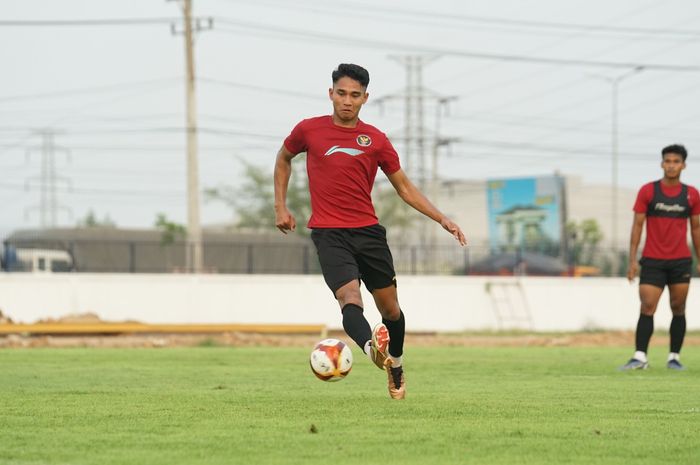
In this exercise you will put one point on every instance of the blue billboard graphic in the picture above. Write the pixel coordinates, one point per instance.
(525, 213)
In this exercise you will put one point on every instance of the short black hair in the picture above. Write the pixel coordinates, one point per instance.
(355, 72)
(675, 148)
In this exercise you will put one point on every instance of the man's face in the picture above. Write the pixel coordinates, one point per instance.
(347, 96)
(672, 165)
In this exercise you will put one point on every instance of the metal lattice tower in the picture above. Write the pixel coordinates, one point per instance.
(48, 181)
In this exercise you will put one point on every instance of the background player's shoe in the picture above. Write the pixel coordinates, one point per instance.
(634, 364)
(397, 383)
(379, 345)
(674, 365)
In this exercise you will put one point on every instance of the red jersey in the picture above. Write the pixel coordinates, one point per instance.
(341, 164)
(667, 211)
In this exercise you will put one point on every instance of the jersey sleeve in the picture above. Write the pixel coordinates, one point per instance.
(694, 201)
(296, 140)
(388, 158)
(644, 196)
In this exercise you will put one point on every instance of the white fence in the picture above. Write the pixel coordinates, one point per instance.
(431, 303)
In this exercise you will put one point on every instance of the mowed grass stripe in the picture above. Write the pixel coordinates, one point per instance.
(257, 405)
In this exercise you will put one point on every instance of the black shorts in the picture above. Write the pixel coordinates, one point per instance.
(659, 273)
(347, 254)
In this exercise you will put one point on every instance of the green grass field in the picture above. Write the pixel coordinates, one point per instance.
(219, 405)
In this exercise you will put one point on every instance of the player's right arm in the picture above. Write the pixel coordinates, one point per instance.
(635, 238)
(284, 220)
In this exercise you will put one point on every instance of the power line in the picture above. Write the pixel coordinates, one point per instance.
(88, 90)
(447, 18)
(422, 21)
(99, 191)
(263, 29)
(87, 22)
(269, 90)
(175, 129)
(517, 145)
(558, 124)
(511, 103)
(415, 15)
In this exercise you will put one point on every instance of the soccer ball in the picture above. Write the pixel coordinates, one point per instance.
(331, 360)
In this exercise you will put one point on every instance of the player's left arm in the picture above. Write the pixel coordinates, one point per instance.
(695, 235)
(410, 194)
(694, 199)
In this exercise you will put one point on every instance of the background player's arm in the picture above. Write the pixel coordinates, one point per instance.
(695, 235)
(635, 238)
(284, 220)
(410, 194)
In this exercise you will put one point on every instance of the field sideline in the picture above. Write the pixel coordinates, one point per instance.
(465, 405)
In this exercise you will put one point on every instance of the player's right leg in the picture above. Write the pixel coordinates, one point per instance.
(341, 273)
(354, 322)
(649, 295)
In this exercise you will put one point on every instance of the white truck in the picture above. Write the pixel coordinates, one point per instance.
(37, 260)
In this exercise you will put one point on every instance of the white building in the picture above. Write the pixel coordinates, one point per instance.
(465, 201)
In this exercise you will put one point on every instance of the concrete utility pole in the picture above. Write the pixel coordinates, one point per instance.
(615, 156)
(614, 149)
(193, 253)
(194, 229)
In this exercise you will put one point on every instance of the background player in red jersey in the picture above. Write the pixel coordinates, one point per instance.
(342, 157)
(665, 205)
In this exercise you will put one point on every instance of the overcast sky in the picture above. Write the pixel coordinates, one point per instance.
(531, 81)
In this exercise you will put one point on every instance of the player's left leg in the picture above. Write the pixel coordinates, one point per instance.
(678, 284)
(377, 270)
(678, 294)
(387, 303)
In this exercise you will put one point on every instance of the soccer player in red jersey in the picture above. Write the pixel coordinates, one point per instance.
(342, 157)
(665, 205)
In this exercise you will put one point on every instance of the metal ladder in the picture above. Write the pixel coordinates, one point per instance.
(510, 305)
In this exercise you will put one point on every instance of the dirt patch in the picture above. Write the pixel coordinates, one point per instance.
(596, 339)
(248, 339)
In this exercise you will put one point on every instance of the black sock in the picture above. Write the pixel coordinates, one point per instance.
(677, 332)
(356, 325)
(397, 330)
(645, 328)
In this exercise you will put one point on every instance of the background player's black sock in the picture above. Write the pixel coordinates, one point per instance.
(397, 330)
(645, 328)
(677, 333)
(356, 325)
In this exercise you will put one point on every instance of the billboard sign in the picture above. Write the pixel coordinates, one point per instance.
(526, 213)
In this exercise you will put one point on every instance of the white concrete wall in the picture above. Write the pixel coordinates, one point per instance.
(431, 303)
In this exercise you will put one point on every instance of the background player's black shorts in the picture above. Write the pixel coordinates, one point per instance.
(347, 254)
(659, 273)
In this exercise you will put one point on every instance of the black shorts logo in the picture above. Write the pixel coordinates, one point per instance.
(364, 140)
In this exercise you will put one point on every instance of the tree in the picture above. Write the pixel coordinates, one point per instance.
(91, 221)
(170, 231)
(394, 213)
(584, 239)
(253, 202)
